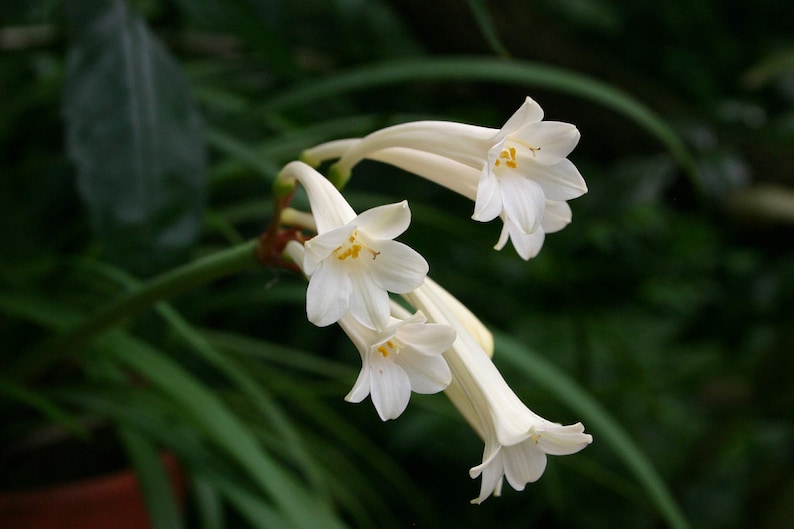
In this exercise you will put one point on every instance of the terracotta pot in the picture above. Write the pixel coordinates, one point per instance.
(106, 502)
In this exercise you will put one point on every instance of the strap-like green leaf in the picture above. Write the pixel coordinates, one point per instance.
(158, 492)
(489, 69)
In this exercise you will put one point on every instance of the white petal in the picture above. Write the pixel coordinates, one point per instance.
(524, 463)
(552, 141)
(559, 182)
(427, 374)
(329, 207)
(360, 389)
(492, 471)
(328, 295)
(561, 440)
(488, 203)
(369, 303)
(426, 338)
(385, 222)
(390, 388)
(321, 246)
(556, 216)
(398, 268)
(504, 235)
(524, 202)
(528, 112)
(527, 245)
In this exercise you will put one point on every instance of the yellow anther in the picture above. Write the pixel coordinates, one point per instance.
(391, 346)
(535, 437)
(509, 156)
(353, 248)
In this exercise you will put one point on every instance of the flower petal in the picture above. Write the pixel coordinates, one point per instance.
(524, 202)
(361, 388)
(397, 268)
(329, 207)
(426, 338)
(328, 295)
(559, 182)
(427, 374)
(504, 235)
(524, 463)
(488, 202)
(561, 440)
(321, 246)
(385, 222)
(390, 387)
(369, 303)
(527, 245)
(547, 142)
(492, 471)
(528, 112)
(556, 216)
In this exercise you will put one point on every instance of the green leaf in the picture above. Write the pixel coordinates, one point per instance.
(209, 507)
(481, 14)
(223, 428)
(48, 408)
(158, 492)
(135, 137)
(488, 69)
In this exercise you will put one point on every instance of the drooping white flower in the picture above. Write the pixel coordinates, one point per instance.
(514, 172)
(352, 263)
(404, 357)
(517, 440)
(464, 180)
(525, 461)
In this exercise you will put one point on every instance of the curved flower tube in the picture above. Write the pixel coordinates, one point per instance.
(517, 440)
(514, 173)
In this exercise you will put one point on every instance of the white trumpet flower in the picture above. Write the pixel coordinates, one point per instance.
(353, 263)
(464, 180)
(514, 173)
(404, 357)
(517, 440)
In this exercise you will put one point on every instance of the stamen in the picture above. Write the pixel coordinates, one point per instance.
(509, 156)
(391, 346)
(353, 248)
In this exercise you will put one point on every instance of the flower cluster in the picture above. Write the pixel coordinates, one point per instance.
(519, 173)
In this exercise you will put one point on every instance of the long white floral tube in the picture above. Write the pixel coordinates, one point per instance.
(517, 440)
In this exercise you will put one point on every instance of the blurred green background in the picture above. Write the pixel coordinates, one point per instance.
(668, 299)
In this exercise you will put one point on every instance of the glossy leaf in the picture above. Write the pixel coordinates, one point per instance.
(134, 135)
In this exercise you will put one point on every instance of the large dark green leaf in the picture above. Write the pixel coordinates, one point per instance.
(135, 136)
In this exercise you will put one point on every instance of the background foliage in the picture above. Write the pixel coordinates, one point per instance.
(138, 136)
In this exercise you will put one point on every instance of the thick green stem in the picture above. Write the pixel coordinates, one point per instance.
(167, 285)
